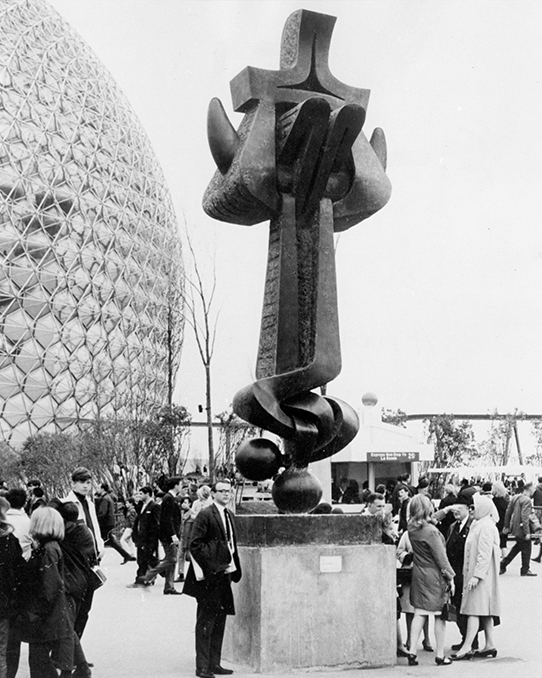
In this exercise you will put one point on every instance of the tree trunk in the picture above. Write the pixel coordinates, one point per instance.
(211, 463)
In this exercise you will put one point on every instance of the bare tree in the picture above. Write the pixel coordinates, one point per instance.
(198, 298)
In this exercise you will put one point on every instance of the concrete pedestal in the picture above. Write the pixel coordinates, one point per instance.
(317, 592)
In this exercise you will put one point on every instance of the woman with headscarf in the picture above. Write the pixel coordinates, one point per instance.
(481, 601)
(432, 577)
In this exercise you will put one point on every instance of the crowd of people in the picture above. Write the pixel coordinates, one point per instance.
(450, 554)
(50, 551)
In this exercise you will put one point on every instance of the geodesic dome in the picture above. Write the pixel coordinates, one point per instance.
(90, 261)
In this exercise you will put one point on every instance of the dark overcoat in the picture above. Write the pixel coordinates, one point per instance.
(209, 548)
(45, 611)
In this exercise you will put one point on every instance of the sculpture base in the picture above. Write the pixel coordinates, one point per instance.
(318, 592)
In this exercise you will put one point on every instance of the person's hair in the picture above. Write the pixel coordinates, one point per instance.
(486, 487)
(423, 483)
(540, 479)
(105, 487)
(337, 509)
(34, 482)
(365, 495)
(56, 504)
(81, 474)
(171, 482)
(204, 492)
(450, 489)
(421, 509)
(16, 497)
(184, 498)
(46, 523)
(5, 527)
(38, 492)
(498, 489)
(222, 480)
(69, 511)
(323, 507)
(404, 477)
(374, 496)
(146, 489)
(380, 489)
(527, 486)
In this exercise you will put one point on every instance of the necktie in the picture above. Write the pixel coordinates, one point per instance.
(228, 528)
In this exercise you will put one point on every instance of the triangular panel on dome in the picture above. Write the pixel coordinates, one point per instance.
(34, 302)
(16, 326)
(42, 412)
(62, 388)
(15, 410)
(22, 276)
(9, 383)
(35, 386)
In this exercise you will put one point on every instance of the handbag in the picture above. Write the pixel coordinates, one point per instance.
(96, 578)
(404, 576)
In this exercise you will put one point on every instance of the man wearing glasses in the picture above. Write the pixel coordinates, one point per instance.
(214, 564)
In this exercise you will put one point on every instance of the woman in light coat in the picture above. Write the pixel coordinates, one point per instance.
(481, 577)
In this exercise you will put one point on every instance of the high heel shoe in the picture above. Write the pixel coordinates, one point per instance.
(401, 652)
(463, 657)
(443, 661)
(412, 660)
(487, 653)
(427, 646)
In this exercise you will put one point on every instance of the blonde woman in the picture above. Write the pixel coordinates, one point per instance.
(47, 627)
(432, 577)
(204, 499)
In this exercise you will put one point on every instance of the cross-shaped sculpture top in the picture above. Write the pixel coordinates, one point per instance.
(304, 69)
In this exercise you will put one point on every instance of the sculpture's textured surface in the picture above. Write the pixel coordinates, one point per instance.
(90, 272)
(300, 160)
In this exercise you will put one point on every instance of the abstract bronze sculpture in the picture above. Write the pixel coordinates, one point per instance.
(300, 160)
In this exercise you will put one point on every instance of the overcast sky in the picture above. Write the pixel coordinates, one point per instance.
(440, 292)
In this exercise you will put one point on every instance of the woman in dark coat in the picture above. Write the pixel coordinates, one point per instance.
(432, 576)
(47, 626)
(12, 565)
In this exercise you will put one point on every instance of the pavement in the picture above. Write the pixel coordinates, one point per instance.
(140, 633)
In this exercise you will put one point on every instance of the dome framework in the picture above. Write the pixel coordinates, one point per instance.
(91, 276)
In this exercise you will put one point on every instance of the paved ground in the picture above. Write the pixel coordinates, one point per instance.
(140, 633)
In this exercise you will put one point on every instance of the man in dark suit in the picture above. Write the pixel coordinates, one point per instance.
(455, 550)
(145, 534)
(169, 531)
(105, 512)
(214, 565)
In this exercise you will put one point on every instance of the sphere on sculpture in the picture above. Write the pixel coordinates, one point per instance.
(90, 261)
(296, 490)
(258, 459)
(369, 399)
